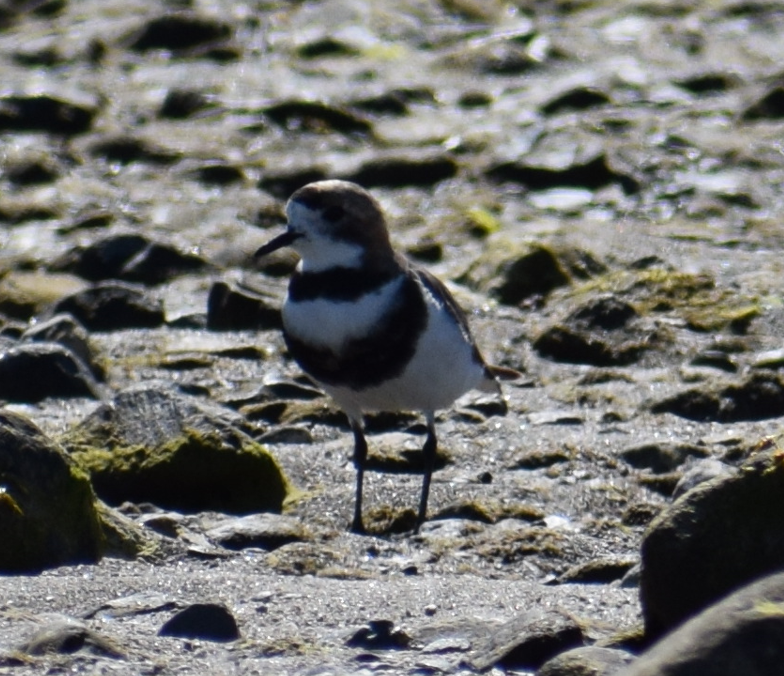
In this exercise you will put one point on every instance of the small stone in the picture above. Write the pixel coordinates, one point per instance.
(448, 645)
(527, 641)
(701, 471)
(716, 359)
(129, 257)
(67, 637)
(587, 661)
(231, 307)
(181, 104)
(758, 397)
(110, 306)
(640, 514)
(287, 435)
(126, 149)
(265, 531)
(662, 457)
(580, 98)
(140, 603)
(769, 107)
(514, 273)
(218, 174)
(395, 172)
(601, 571)
(180, 32)
(43, 112)
(772, 359)
(591, 173)
(206, 621)
(34, 371)
(317, 117)
(32, 172)
(537, 458)
(601, 333)
(25, 294)
(151, 444)
(66, 331)
(379, 635)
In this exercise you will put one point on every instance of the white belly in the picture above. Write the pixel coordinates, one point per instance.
(441, 370)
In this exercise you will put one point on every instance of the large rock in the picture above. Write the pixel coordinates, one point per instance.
(154, 445)
(722, 534)
(47, 507)
(742, 636)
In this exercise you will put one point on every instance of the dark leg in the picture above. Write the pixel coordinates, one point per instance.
(429, 461)
(360, 457)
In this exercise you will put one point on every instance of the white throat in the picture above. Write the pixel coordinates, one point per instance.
(323, 254)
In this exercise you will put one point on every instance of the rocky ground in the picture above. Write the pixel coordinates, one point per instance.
(600, 183)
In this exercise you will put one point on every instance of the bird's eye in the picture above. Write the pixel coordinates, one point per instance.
(333, 213)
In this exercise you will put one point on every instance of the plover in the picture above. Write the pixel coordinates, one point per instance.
(376, 332)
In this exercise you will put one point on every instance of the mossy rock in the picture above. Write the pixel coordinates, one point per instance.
(47, 506)
(124, 538)
(153, 445)
(513, 272)
(696, 298)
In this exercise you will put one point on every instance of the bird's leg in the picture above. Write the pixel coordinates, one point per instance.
(429, 461)
(360, 458)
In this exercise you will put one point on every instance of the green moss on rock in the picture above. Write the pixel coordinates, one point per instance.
(47, 510)
(192, 472)
(695, 297)
(178, 453)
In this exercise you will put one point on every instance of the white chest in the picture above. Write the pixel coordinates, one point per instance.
(330, 324)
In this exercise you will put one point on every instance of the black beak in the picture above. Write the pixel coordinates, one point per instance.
(278, 243)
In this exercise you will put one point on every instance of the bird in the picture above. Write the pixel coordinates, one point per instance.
(373, 330)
